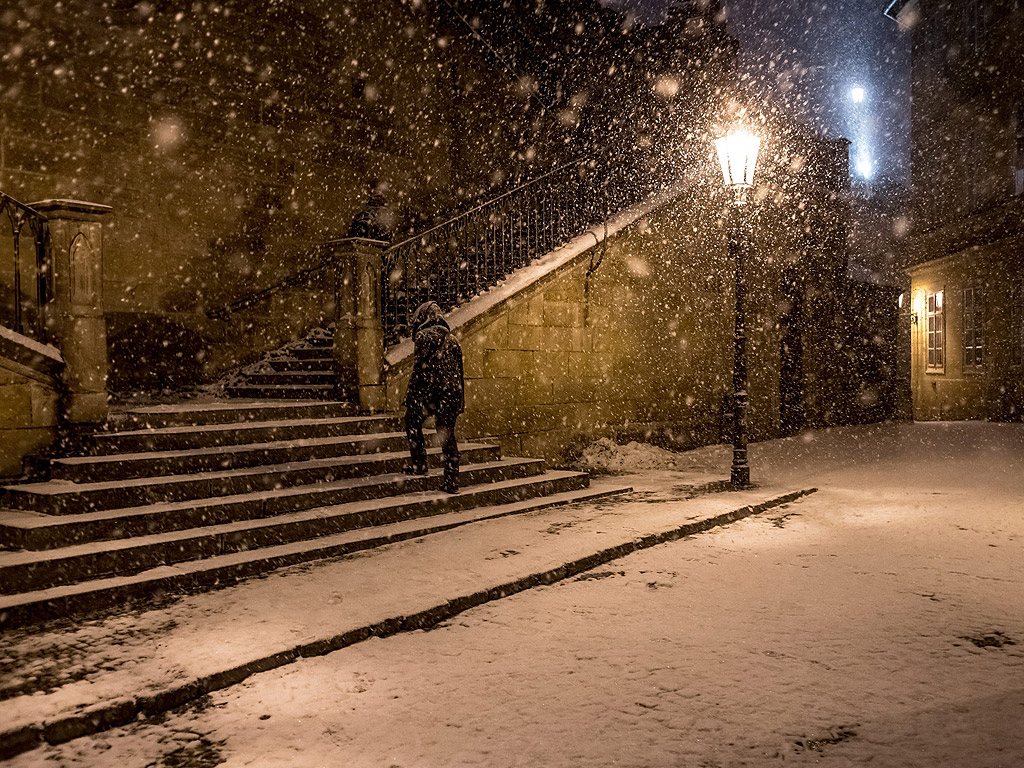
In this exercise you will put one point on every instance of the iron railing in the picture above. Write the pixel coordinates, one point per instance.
(323, 256)
(454, 261)
(24, 279)
(469, 253)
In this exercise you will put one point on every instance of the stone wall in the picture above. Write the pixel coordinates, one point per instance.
(28, 399)
(993, 390)
(642, 344)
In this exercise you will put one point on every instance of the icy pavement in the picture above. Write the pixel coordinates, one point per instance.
(879, 621)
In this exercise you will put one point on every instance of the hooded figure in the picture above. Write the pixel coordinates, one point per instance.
(436, 388)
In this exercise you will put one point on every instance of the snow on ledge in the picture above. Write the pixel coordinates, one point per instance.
(46, 350)
(526, 276)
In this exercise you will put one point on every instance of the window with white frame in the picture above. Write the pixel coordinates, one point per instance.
(974, 328)
(934, 330)
(1016, 326)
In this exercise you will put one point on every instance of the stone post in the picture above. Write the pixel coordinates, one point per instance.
(359, 332)
(75, 319)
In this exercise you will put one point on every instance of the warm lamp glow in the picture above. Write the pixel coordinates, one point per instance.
(737, 153)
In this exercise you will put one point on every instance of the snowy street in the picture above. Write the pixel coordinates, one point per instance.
(879, 621)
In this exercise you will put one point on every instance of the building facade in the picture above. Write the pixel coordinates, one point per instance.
(963, 311)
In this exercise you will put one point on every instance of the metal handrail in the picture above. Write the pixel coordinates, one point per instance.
(472, 252)
(486, 203)
(300, 277)
(19, 214)
(256, 297)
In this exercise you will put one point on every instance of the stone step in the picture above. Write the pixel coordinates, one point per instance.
(222, 570)
(224, 412)
(34, 531)
(126, 466)
(305, 353)
(207, 435)
(61, 497)
(285, 364)
(343, 506)
(276, 378)
(283, 391)
(320, 341)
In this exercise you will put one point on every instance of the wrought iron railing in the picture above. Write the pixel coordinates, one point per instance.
(24, 272)
(472, 252)
(321, 254)
(457, 259)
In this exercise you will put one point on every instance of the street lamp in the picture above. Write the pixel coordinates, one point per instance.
(737, 154)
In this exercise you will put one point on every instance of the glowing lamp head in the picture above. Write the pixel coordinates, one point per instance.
(864, 167)
(857, 94)
(737, 154)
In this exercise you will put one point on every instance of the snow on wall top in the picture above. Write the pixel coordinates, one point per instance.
(523, 278)
(46, 350)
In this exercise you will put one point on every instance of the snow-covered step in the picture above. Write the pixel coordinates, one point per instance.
(84, 469)
(286, 364)
(301, 353)
(224, 412)
(207, 435)
(62, 497)
(277, 378)
(343, 507)
(20, 529)
(220, 570)
(284, 391)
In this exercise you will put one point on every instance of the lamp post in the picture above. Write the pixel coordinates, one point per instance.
(737, 154)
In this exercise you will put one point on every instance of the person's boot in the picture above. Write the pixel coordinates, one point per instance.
(414, 469)
(450, 483)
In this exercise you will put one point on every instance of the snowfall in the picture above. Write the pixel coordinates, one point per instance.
(879, 621)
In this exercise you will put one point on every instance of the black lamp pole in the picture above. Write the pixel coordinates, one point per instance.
(737, 153)
(739, 245)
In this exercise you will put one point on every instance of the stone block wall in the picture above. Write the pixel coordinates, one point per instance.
(29, 401)
(958, 390)
(641, 344)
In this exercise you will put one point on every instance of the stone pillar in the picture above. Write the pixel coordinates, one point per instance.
(359, 332)
(75, 320)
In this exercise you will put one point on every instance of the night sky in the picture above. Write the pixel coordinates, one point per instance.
(811, 55)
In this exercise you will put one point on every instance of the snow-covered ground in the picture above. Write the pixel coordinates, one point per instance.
(879, 621)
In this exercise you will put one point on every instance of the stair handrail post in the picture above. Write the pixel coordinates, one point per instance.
(75, 317)
(359, 329)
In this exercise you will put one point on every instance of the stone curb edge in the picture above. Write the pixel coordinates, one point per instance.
(112, 714)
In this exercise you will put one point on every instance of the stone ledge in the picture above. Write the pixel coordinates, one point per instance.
(30, 358)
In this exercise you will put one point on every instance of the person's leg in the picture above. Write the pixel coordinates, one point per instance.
(414, 418)
(450, 450)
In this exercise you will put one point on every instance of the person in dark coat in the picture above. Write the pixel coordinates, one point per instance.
(436, 388)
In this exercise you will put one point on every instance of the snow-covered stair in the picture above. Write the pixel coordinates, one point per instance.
(195, 495)
(301, 370)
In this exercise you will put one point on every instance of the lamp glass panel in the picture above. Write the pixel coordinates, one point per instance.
(737, 154)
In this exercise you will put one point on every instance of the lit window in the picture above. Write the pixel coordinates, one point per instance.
(974, 321)
(934, 330)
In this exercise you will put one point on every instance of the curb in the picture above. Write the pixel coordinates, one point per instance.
(112, 714)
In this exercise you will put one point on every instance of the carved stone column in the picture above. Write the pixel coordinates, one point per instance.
(75, 316)
(359, 333)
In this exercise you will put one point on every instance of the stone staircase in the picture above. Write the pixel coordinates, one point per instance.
(180, 497)
(302, 370)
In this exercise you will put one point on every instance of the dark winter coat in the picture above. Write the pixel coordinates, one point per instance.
(437, 382)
